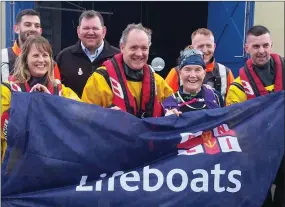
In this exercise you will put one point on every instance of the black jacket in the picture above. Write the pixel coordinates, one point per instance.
(75, 67)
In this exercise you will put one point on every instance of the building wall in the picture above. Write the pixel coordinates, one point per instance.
(3, 25)
(271, 15)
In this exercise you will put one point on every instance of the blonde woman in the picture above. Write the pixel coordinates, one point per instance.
(34, 71)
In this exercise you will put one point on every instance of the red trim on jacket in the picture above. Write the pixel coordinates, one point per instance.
(18, 86)
(278, 83)
(122, 96)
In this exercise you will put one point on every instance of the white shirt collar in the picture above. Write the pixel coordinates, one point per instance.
(97, 51)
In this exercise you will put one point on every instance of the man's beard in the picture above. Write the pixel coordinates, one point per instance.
(23, 36)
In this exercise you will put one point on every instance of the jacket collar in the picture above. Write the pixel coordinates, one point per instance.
(16, 49)
(210, 66)
(105, 52)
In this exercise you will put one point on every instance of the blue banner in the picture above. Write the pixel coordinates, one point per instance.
(65, 153)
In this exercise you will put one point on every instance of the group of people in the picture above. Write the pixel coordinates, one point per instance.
(95, 72)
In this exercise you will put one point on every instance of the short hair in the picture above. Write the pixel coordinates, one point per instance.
(202, 31)
(25, 12)
(131, 27)
(21, 71)
(257, 30)
(91, 14)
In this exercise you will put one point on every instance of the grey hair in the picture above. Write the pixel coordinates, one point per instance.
(131, 27)
(189, 51)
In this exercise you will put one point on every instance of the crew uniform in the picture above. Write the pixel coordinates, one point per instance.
(136, 92)
(6, 92)
(256, 81)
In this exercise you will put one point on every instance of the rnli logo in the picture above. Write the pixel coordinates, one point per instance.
(220, 139)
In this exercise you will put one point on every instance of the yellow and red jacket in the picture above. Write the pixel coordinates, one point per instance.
(122, 97)
(248, 85)
(109, 86)
(6, 92)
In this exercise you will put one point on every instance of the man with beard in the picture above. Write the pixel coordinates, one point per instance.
(262, 74)
(126, 81)
(77, 62)
(27, 25)
(217, 76)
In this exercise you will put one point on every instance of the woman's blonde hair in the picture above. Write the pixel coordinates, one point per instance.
(21, 71)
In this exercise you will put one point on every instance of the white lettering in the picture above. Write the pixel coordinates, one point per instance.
(111, 181)
(5, 128)
(176, 180)
(98, 185)
(117, 88)
(124, 179)
(235, 181)
(204, 180)
(247, 87)
(146, 172)
(217, 172)
(220, 130)
(81, 186)
(184, 180)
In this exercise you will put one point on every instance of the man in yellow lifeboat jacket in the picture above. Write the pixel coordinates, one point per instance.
(126, 82)
(262, 73)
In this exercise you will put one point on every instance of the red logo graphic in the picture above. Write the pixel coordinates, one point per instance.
(220, 139)
(210, 143)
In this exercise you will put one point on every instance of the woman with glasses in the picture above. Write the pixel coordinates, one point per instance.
(192, 95)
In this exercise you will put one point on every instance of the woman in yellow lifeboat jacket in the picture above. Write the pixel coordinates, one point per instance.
(33, 72)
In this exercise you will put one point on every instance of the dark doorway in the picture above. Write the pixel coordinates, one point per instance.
(171, 23)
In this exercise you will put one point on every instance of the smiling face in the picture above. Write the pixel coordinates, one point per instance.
(91, 32)
(259, 48)
(192, 77)
(206, 44)
(38, 61)
(136, 49)
(29, 25)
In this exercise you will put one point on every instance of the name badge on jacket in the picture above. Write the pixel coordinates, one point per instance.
(80, 72)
